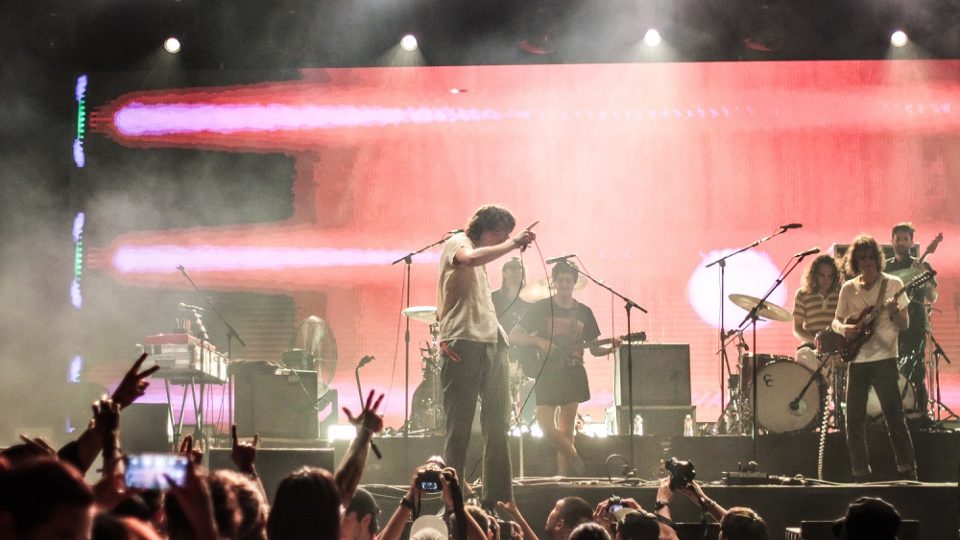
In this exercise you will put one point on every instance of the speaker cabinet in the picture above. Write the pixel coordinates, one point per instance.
(146, 427)
(661, 375)
(280, 403)
(273, 464)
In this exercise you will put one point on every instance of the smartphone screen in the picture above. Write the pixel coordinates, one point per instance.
(148, 471)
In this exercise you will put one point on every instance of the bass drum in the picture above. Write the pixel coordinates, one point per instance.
(907, 395)
(778, 384)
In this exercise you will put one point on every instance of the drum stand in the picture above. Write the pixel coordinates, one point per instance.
(938, 405)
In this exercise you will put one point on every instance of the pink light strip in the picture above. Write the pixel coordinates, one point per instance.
(165, 119)
(165, 259)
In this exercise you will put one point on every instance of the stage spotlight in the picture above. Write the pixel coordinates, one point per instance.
(899, 38)
(409, 43)
(652, 38)
(172, 45)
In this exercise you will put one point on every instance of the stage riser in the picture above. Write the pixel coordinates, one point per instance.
(934, 506)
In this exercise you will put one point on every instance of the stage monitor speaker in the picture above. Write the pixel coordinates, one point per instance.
(279, 403)
(273, 464)
(661, 375)
(146, 427)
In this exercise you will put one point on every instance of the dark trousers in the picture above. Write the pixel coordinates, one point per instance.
(882, 376)
(471, 370)
(912, 354)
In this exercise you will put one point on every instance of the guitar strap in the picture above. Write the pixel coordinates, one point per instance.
(883, 289)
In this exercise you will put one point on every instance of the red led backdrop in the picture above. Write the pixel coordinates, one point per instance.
(645, 171)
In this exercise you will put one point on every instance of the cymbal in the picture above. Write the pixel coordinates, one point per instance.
(540, 289)
(427, 314)
(769, 310)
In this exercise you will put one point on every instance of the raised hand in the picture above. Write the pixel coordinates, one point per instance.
(39, 446)
(193, 453)
(133, 385)
(244, 454)
(106, 417)
(368, 418)
(196, 502)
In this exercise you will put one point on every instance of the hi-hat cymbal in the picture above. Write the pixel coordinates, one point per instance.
(540, 289)
(769, 310)
(427, 314)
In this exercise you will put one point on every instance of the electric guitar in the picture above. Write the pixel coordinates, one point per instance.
(532, 365)
(909, 273)
(867, 319)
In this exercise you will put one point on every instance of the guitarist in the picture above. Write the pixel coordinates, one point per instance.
(913, 340)
(876, 362)
(560, 327)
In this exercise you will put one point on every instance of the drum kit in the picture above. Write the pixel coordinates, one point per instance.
(794, 395)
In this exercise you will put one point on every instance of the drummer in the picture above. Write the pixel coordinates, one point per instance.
(816, 301)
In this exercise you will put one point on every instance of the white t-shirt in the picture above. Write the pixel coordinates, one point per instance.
(464, 303)
(854, 299)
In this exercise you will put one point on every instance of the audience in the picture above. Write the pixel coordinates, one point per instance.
(868, 518)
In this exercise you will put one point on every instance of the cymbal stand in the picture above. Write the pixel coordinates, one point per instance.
(724, 361)
(939, 406)
(752, 318)
(407, 260)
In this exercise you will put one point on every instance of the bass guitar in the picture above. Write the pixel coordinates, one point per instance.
(867, 319)
(532, 365)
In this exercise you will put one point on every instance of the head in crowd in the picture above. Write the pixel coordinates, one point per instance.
(428, 528)
(863, 246)
(868, 518)
(589, 531)
(822, 276)
(566, 515)
(360, 518)
(44, 498)
(238, 504)
(490, 219)
(307, 505)
(114, 527)
(742, 523)
(637, 525)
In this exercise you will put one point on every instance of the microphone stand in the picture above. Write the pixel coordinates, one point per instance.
(231, 334)
(939, 353)
(408, 261)
(752, 318)
(628, 306)
(724, 361)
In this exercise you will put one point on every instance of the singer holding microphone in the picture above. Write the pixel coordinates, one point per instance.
(474, 347)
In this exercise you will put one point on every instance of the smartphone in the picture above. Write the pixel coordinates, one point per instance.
(149, 471)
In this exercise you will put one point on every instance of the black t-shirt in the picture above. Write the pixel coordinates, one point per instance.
(572, 327)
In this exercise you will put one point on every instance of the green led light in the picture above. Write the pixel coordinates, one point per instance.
(81, 118)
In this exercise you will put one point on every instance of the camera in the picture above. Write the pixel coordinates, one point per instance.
(681, 473)
(150, 471)
(613, 504)
(428, 480)
(506, 529)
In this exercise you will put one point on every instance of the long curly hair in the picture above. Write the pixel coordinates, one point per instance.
(810, 274)
(863, 244)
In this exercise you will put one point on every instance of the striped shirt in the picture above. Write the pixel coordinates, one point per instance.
(815, 310)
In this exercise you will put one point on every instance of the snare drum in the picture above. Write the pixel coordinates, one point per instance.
(778, 384)
(807, 357)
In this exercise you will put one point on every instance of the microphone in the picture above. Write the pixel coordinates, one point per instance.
(791, 226)
(188, 307)
(810, 251)
(366, 360)
(552, 260)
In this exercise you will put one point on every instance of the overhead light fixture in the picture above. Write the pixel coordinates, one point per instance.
(409, 43)
(172, 45)
(652, 38)
(899, 38)
(540, 34)
(765, 30)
